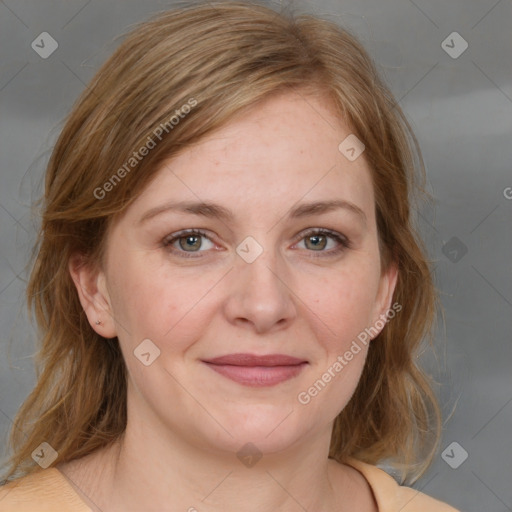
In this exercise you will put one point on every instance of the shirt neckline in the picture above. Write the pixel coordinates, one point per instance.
(381, 485)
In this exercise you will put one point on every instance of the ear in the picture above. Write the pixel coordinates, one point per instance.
(387, 284)
(93, 294)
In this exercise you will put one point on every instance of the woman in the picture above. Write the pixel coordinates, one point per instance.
(239, 295)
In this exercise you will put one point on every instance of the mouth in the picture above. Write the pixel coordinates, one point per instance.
(257, 371)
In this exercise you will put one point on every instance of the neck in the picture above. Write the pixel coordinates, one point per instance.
(179, 476)
(151, 467)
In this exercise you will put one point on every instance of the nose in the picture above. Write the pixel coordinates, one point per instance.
(260, 294)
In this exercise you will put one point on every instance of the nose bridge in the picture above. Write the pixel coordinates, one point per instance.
(259, 294)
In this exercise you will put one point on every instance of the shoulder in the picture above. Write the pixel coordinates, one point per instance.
(43, 491)
(391, 497)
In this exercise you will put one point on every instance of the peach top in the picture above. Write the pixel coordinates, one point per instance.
(48, 490)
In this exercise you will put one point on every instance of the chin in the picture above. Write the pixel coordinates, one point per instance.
(269, 432)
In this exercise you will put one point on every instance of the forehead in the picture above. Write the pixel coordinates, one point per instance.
(269, 157)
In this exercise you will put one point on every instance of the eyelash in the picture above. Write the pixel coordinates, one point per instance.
(343, 241)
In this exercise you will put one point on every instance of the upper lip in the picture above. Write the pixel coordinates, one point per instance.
(255, 360)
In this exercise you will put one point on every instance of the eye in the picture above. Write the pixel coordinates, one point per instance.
(317, 240)
(189, 241)
(186, 239)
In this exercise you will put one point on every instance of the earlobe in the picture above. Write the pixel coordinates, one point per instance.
(93, 295)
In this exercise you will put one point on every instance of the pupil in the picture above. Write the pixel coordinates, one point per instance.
(316, 239)
(192, 245)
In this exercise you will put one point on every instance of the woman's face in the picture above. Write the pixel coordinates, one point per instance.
(259, 279)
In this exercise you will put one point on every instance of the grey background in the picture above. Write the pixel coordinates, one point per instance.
(461, 111)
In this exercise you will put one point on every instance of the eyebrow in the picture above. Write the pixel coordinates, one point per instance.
(213, 210)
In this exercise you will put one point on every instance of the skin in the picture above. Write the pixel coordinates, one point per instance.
(186, 422)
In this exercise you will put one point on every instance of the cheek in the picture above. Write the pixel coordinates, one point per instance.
(338, 318)
(345, 307)
(150, 303)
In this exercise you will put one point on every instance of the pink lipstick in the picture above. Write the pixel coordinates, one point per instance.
(257, 371)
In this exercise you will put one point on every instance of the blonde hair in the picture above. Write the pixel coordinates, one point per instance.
(224, 57)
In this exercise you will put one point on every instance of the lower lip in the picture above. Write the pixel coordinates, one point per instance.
(258, 376)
